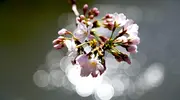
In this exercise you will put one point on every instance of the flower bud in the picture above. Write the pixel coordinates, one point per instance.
(62, 32)
(96, 13)
(85, 8)
(94, 9)
(91, 16)
(58, 46)
(82, 17)
(58, 43)
(107, 16)
(122, 39)
(132, 49)
(134, 40)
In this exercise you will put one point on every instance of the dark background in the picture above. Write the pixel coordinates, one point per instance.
(27, 28)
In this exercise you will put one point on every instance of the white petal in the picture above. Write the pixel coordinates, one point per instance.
(133, 29)
(82, 27)
(120, 18)
(70, 45)
(100, 66)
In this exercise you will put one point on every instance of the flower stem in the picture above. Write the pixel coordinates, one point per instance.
(114, 28)
(82, 44)
(97, 37)
(111, 35)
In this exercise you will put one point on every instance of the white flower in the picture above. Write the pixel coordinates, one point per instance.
(120, 19)
(89, 66)
(82, 31)
(131, 28)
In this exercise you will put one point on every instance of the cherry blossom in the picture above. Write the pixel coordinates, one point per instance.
(89, 66)
(93, 38)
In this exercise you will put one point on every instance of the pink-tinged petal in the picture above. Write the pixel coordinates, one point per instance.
(120, 19)
(135, 41)
(62, 31)
(90, 37)
(131, 29)
(82, 27)
(132, 49)
(94, 73)
(100, 67)
(89, 66)
(82, 60)
(82, 31)
(129, 22)
(85, 72)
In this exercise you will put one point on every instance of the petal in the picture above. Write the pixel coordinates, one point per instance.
(85, 72)
(122, 16)
(70, 44)
(100, 66)
(81, 32)
(120, 19)
(82, 27)
(133, 29)
(80, 35)
(129, 22)
(94, 73)
(82, 60)
(135, 40)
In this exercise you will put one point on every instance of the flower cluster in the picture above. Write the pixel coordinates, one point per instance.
(92, 61)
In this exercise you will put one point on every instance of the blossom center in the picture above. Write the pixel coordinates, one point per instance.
(93, 63)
